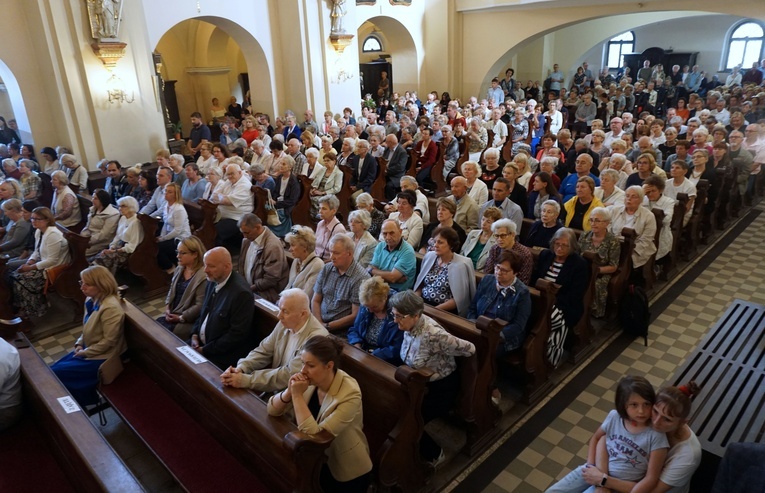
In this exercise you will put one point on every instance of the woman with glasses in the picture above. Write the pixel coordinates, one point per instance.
(479, 241)
(446, 279)
(576, 211)
(102, 336)
(605, 245)
(505, 240)
(427, 345)
(28, 281)
(187, 289)
(563, 265)
(129, 235)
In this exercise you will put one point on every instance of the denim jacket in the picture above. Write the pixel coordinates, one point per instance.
(514, 309)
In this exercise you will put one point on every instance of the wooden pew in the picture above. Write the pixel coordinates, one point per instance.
(490, 133)
(692, 230)
(477, 375)
(676, 226)
(87, 460)
(260, 197)
(411, 166)
(619, 279)
(85, 205)
(648, 272)
(202, 220)
(392, 399)
(67, 283)
(464, 156)
(301, 213)
(143, 261)
(583, 329)
(727, 180)
(344, 195)
(272, 448)
(437, 171)
(8, 321)
(378, 186)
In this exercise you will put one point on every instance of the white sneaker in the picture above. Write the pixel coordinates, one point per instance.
(440, 460)
(496, 400)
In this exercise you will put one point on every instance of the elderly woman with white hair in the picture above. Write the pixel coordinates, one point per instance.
(359, 222)
(306, 265)
(11, 168)
(505, 238)
(129, 236)
(213, 179)
(77, 174)
(605, 245)
(491, 169)
(477, 189)
(520, 126)
(312, 168)
(477, 139)
(632, 215)
(367, 203)
(618, 162)
(542, 231)
(608, 193)
(346, 151)
(65, 206)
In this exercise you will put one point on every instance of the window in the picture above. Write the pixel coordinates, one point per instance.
(371, 44)
(745, 45)
(617, 47)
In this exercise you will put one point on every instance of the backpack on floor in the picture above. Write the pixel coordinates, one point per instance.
(634, 313)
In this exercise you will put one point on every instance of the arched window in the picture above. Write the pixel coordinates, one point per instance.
(371, 44)
(617, 47)
(745, 45)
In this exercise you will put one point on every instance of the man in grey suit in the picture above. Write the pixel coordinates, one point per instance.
(397, 157)
(262, 261)
(269, 366)
(223, 331)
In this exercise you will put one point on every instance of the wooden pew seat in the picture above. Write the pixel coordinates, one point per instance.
(143, 261)
(65, 446)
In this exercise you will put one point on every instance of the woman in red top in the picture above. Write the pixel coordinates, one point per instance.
(249, 132)
(426, 152)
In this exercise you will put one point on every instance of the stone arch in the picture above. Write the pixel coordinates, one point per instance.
(16, 102)
(399, 44)
(214, 43)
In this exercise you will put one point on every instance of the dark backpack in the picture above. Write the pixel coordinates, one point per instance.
(634, 313)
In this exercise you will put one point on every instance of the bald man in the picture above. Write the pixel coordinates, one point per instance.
(223, 332)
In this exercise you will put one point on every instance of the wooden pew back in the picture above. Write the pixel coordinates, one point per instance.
(88, 460)
(67, 283)
(202, 220)
(301, 214)
(288, 460)
(143, 261)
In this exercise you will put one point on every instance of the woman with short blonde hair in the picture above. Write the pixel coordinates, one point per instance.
(374, 329)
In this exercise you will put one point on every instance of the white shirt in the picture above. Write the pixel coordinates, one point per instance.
(130, 232)
(240, 195)
(500, 130)
(175, 222)
(53, 250)
(252, 255)
(479, 192)
(10, 375)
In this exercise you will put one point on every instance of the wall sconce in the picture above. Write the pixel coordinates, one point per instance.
(116, 92)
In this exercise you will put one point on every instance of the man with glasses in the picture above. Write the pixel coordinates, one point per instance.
(336, 292)
(583, 165)
(394, 259)
(157, 202)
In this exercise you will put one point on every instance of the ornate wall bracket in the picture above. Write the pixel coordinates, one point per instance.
(340, 41)
(109, 53)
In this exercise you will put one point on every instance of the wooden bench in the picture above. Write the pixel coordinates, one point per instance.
(392, 399)
(727, 180)
(676, 226)
(301, 213)
(620, 279)
(143, 261)
(378, 186)
(648, 268)
(260, 197)
(202, 220)
(52, 445)
(67, 283)
(728, 365)
(344, 195)
(9, 323)
(269, 449)
(477, 375)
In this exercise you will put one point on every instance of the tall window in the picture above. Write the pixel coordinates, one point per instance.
(371, 44)
(618, 46)
(745, 45)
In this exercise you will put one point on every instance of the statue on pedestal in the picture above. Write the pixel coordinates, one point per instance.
(104, 18)
(337, 14)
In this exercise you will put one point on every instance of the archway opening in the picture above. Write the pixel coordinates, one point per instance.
(212, 57)
(12, 104)
(397, 55)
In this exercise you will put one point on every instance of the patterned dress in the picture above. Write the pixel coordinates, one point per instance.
(608, 253)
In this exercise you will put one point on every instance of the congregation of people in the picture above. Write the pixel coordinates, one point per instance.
(534, 158)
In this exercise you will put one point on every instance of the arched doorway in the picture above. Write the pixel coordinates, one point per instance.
(12, 103)
(397, 49)
(211, 57)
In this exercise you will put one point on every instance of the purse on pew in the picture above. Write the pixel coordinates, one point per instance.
(51, 274)
(272, 216)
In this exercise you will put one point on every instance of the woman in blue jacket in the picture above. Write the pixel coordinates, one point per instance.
(374, 329)
(503, 296)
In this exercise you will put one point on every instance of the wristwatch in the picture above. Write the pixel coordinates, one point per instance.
(603, 481)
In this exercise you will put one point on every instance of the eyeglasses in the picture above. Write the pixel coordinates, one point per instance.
(36, 218)
(501, 236)
(181, 252)
(596, 220)
(503, 270)
(398, 316)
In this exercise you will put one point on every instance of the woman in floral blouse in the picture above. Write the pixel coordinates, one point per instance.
(603, 243)
(427, 345)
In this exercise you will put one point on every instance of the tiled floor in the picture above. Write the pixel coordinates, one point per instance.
(738, 272)
(556, 449)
